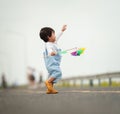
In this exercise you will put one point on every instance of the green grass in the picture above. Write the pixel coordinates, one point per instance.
(102, 84)
(116, 84)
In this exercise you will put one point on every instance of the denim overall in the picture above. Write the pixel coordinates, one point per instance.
(52, 64)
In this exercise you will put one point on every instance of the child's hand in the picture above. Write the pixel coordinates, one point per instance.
(53, 53)
(64, 28)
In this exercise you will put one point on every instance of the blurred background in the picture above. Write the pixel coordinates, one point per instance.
(93, 24)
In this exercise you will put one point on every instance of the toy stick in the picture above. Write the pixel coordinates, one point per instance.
(65, 51)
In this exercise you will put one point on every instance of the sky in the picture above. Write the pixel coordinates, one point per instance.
(93, 24)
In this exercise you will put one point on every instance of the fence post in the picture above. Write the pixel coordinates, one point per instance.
(81, 82)
(91, 82)
(99, 82)
(110, 81)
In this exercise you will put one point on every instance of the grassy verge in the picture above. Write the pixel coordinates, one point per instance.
(102, 84)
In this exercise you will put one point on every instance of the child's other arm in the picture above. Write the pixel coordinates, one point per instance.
(51, 51)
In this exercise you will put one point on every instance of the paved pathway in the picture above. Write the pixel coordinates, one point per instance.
(68, 101)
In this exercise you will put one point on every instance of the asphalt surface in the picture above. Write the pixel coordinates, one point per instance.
(67, 101)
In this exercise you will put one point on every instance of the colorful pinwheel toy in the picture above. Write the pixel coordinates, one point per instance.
(78, 52)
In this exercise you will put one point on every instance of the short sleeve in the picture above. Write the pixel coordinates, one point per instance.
(50, 48)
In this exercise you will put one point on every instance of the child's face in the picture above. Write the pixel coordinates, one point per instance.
(52, 38)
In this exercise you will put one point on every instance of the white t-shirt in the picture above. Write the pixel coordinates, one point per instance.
(52, 46)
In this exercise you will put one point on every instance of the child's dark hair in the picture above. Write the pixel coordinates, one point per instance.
(45, 33)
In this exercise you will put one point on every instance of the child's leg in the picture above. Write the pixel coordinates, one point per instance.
(49, 84)
(55, 75)
(51, 79)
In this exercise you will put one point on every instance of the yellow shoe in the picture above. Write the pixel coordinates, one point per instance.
(50, 89)
(52, 92)
(49, 85)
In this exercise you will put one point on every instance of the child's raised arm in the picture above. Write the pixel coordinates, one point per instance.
(62, 30)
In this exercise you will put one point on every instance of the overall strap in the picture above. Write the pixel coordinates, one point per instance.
(45, 52)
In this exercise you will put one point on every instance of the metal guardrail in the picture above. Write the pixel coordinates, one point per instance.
(106, 79)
